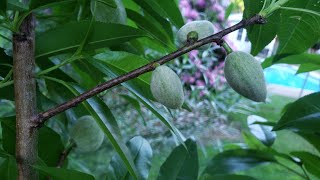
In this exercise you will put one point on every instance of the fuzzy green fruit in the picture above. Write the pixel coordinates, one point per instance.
(107, 14)
(245, 75)
(166, 87)
(87, 134)
(203, 28)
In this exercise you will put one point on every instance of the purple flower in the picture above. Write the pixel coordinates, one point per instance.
(197, 74)
(200, 83)
(201, 3)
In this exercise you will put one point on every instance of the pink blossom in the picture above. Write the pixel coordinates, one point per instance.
(217, 8)
(197, 74)
(193, 54)
(201, 3)
(197, 62)
(220, 16)
(200, 83)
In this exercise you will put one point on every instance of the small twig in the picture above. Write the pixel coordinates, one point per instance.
(42, 117)
(65, 153)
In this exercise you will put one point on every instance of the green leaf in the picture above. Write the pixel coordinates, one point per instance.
(135, 103)
(120, 63)
(154, 11)
(49, 152)
(148, 104)
(150, 28)
(229, 10)
(261, 132)
(226, 177)
(141, 152)
(303, 68)
(313, 139)
(237, 160)
(260, 35)
(8, 125)
(36, 4)
(302, 115)
(298, 31)
(15, 5)
(103, 11)
(182, 163)
(3, 6)
(62, 174)
(310, 161)
(252, 141)
(106, 121)
(68, 37)
(172, 11)
(8, 169)
(304, 58)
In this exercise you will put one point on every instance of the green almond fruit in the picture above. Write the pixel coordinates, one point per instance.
(202, 27)
(166, 87)
(87, 134)
(245, 75)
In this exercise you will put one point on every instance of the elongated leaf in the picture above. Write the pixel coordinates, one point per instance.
(36, 4)
(310, 161)
(252, 141)
(120, 63)
(298, 30)
(303, 68)
(141, 152)
(8, 169)
(226, 177)
(16, 5)
(152, 9)
(48, 152)
(106, 121)
(262, 132)
(172, 11)
(3, 6)
(103, 12)
(260, 35)
(135, 103)
(237, 160)
(149, 27)
(182, 163)
(304, 58)
(302, 115)
(8, 126)
(313, 139)
(62, 174)
(68, 37)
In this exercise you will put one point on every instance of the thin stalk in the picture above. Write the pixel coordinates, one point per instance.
(70, 60)
(292, 170)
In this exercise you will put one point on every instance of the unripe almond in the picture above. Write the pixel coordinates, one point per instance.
(87, 134)
(202, 27)
(245, 75)
(166, 87)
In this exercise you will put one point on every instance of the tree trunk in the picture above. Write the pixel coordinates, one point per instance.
(25, 98)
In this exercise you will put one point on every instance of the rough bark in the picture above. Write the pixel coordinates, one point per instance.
(25, 98)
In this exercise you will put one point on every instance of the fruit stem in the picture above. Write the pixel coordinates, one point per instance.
(65, 153)
(226, 46)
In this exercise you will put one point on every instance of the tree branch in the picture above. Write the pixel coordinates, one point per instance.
(65, 153)
(25, 98)
(42, 117)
